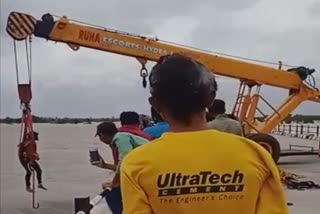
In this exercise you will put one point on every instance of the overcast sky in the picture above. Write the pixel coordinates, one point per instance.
(91, 83)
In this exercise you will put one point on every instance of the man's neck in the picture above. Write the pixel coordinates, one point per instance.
(131, 125)
(197, 123)
(221, 115)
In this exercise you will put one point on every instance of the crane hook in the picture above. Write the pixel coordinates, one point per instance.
(143, 71)
(35, 205)
(144, 75)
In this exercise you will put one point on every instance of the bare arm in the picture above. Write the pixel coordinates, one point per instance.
(105, 165)
(109, 166)
(116, 180)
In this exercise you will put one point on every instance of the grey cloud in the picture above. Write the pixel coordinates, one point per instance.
(79, 101)
(112, 14)
(291, 42)
(315, 10)
(231, 5)
(127, 15)
(76, 100)
(95, 83)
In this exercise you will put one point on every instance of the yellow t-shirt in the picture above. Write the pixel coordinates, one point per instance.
(201, 172)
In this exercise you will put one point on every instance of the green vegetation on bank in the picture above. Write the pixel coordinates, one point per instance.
(57, 120)
(302, 118)
(65, 120)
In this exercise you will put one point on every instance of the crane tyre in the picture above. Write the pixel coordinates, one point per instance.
(270, 143)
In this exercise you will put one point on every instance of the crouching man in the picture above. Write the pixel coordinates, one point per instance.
(123, 143)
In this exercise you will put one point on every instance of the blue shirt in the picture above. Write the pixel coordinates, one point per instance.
(157, 129)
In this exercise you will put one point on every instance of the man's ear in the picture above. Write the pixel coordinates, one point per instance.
(155, 104)
(210, 99)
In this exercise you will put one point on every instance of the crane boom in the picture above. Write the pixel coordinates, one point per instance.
(76, 35)
(143, 47)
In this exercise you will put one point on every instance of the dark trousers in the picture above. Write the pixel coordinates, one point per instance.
(26, 163)
(114, 200)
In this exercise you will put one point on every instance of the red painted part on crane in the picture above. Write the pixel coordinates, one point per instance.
(25, 93)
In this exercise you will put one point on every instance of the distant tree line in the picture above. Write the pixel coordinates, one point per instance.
(65, 120)
(302, 118)
(298, 118)
(57, 120)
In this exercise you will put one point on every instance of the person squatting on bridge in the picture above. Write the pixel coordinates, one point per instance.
(213, 171)
(124, 143)
(130, 123)
(28, 157)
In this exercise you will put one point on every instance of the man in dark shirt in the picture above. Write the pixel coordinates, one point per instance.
(28, 157)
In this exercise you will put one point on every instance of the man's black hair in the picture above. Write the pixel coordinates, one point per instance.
(129, 118)
(146, 120)
(183, 85)
(218, 107)
(156, 117)
(107, 128)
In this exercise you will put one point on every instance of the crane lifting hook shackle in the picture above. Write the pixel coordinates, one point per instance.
(143, 71)
(144, 75)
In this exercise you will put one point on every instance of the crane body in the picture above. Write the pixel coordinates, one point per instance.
(252, 76)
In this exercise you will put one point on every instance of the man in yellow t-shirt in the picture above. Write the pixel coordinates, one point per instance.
(192, 169)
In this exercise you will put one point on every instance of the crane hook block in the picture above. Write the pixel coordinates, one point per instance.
(25, 94)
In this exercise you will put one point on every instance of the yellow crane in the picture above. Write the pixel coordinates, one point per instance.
(252, 76)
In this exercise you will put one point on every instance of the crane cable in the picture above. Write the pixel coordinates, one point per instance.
(297, 182)
(311, 82)
(26, 118)
(29, 70)
(29, 59)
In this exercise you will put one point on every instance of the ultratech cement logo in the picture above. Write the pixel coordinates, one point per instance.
(205, 182)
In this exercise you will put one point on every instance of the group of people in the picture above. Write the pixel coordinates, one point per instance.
(190, 160)
(131, 134)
